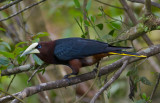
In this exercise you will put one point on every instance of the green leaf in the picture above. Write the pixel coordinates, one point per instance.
(111, 32)
(146, 28)
(37, 60)
(76, 2)
(21, 59)
(4, 61)
(88, 5)
(6, 45)
(20, 43)
(83, 36)
(158, 27)
(86, 23)
(93, 18)
(81, 20)
(7, 54)
(42, 70)
(144, 80)
(40, 34)
(133, 72)
(144, 96)
(18, 50)
(35, 40)
(2, 29)
(100, 26)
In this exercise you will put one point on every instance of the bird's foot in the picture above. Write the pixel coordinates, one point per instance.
(95, 70)
(66, 77)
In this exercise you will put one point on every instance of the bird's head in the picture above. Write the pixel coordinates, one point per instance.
(41, 49)
(32, 49)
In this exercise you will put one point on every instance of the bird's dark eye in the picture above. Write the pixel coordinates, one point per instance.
(39, 46)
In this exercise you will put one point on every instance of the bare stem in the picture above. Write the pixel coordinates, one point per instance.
(28, 7)
(114, 77)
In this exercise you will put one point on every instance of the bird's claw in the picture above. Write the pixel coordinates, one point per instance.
(67, 79)
(95, 70)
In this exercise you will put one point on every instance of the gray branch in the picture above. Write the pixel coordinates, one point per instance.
(10, 4)
(143, 1)
(17, 70)
(28, 7)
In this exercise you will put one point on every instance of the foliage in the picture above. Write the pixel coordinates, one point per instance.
(63, 19)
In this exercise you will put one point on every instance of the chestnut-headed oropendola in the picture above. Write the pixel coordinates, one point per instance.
(75, 52)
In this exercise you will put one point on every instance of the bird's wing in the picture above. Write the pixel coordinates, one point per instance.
(75, 48)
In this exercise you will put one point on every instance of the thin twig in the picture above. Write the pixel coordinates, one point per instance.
(77, 101)
(85, 17)
(11, 82)
(12, 96)
(10, 4)
(155, 88)
(35, 73)
(129, 11)
(109, 5)
(80, 26)
(28, 7)
(148, 7)
(114, 77)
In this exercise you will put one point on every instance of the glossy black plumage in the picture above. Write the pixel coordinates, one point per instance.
(76, 48)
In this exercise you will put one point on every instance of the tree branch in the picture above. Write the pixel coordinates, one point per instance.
(147, 23)
(139, 30)
(28, 7)
(148, 7)
(109, 5)
(143, 2)
(10, 4)
(155, 87)
(17, 70)
(114, 77)
(84, 77)
(85, 18)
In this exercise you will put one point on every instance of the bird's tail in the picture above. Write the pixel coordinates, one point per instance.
(125, 53)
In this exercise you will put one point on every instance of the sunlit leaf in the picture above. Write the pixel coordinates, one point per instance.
(93, 18)
(37, 60)
(88, 5)
(18, 50)
(76, 2)
(86, 23)
(7, 54)
(100, 26)
(35, 40)
(144, 96)
(2, 29)
(20, 43)
(41, 34)
(81, 20)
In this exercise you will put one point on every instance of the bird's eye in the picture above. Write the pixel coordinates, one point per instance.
(39, 46)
